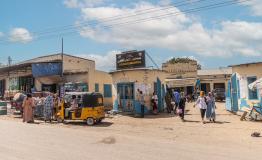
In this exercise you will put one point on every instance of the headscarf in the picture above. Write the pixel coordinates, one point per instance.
(202, 93)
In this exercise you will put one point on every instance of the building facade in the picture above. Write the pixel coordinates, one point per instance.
(57, 73)
(239, 94)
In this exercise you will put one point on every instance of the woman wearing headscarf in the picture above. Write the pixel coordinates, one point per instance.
(210, 112)
(28, 105)
(154, 100)
(201, 104)
(181, 106)
(48, 108)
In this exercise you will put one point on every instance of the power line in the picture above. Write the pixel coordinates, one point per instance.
(115, 18)
(207, 7)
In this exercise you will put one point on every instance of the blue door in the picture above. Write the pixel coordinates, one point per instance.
(228, 97)
(159, 94)
(234, 97)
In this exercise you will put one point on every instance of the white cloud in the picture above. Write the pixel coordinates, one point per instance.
(20, 35)
(256, 7)
(82, 3)
(180, 33)
(103, 62)
(1, 34)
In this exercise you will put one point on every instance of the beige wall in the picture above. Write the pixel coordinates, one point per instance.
(249, 70)
(143, 76)
(102, 78)
(184, 70)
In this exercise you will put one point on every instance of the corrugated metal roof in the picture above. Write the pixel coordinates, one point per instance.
(220, 71)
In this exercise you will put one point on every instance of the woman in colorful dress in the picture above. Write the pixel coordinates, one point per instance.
(28, 106)
(48, 108)
(210, 113)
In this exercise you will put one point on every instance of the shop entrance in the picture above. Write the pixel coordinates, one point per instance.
(2, 88)
(219, 85)
(126, 96)
(26, 83)
(49, 88)
(189, 90)
(205, 87)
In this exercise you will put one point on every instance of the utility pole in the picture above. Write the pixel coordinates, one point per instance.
(9, 64)
(62, 89)
(62, 57)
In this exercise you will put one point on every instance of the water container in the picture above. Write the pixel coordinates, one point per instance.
(3, 108)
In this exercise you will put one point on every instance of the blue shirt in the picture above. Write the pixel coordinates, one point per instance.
(176, 97)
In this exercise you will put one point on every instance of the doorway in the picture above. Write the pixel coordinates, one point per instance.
(126, 95)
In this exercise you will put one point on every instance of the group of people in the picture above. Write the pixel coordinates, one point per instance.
(206, 104)
(50, 107)
(178, 103)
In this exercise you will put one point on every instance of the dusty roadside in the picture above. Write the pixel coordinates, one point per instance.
(122, 137)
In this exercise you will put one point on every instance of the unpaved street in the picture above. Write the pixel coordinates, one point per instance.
(161, 137)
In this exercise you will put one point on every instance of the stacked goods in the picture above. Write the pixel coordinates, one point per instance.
(19, 97)
(3, 108)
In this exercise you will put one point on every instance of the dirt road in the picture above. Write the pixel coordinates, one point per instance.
(162, 137)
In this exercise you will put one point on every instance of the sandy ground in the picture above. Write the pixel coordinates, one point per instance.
(162, 137)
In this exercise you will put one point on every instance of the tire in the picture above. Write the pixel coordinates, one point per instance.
(90, 121)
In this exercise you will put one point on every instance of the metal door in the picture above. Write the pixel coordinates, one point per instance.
(228, 97)
(234, 97)
(159, 94)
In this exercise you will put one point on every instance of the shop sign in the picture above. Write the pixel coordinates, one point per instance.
(132, 59)
(46, 69)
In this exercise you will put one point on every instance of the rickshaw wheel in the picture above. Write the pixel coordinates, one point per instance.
(90, 121)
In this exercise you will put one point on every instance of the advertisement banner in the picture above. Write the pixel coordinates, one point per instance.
(46, 69)
(132, 59)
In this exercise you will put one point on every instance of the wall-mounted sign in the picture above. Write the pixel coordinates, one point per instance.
(131, 59)
(46, 69)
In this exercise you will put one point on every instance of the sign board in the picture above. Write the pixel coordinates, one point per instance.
(46, 69)
(132, 59)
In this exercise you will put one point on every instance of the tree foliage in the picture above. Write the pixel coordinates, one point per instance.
(184, 60)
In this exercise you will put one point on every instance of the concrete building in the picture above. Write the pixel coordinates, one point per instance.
(239, 94)
(132, 74)
(181, 75)
(211, 79)
(55, 73)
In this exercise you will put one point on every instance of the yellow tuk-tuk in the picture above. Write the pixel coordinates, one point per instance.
(90, 107)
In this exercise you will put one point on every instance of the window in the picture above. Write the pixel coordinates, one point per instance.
(96, 87)
(252, 94)
(107, 90)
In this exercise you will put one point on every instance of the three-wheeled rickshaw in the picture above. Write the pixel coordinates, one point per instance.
(90, 107)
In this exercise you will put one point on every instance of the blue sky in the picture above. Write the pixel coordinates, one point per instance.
(216, 38)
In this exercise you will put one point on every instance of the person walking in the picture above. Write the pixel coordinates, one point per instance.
(142, 103)
(28, 106)
(201, 104)
(176, 99)
(48, 108)
(154, 100)
(182, 105)
(211, 106)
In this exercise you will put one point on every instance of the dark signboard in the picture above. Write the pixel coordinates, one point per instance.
(46, 69)
(131, 59)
